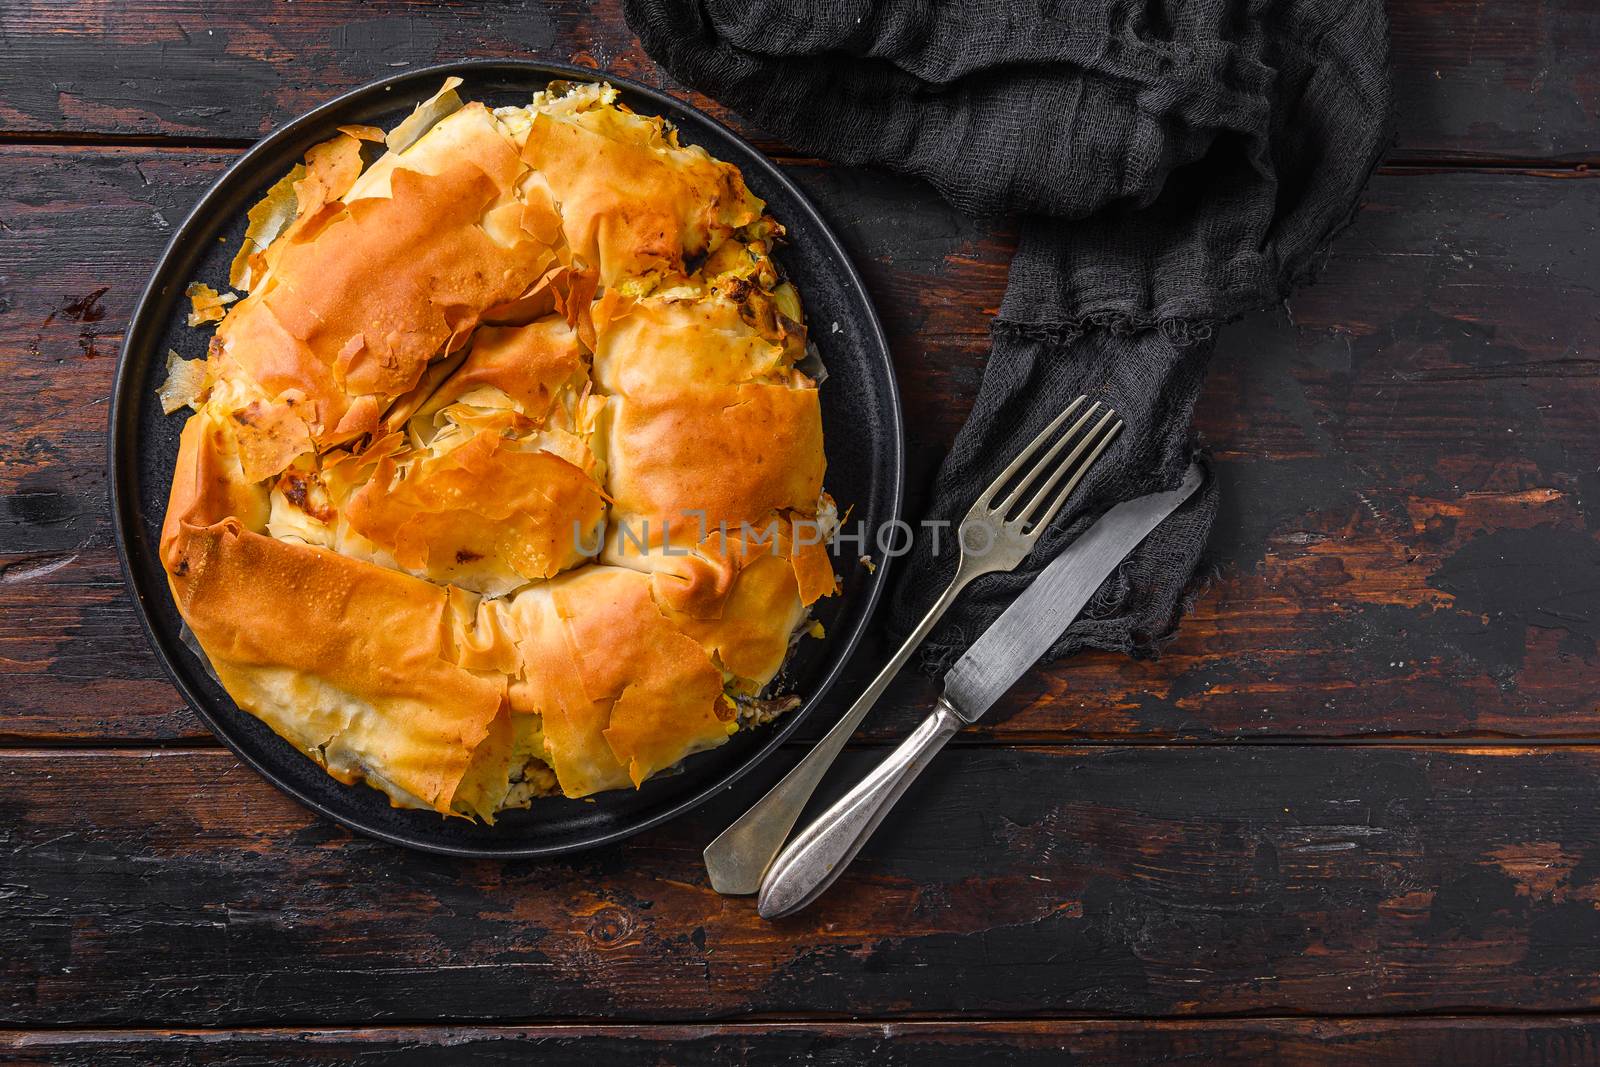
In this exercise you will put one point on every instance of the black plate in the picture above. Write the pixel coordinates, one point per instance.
(861, 420)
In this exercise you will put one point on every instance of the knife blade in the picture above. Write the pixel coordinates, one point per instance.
(983, 674)
(1033, 622)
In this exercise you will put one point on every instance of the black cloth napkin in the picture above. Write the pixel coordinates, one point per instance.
(1174, 163)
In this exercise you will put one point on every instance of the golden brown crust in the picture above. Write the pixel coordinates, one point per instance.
(533, 366)
(740, 601)
(207, 483)
(388, 526)
(708, 422)
(486, 498)
(343, 658)
(548, 685)
(362, 295)
(665, 347)
(725, 455)
(632, 202)
(623, 692)
(437, 269)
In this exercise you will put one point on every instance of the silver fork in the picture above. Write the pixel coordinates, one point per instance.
(738, 858)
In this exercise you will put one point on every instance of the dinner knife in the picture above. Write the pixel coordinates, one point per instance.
(1003, 654)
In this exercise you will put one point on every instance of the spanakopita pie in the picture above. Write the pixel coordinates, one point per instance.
(504, 472)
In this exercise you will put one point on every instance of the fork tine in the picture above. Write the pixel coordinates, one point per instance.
(1022, 457)
(1095, 437)
(1004, 507)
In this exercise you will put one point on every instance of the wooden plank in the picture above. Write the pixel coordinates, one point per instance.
(1464, 1041)
(1422, 413)
(1487, 81)
(1470, 80)
(80, 230)
(176, 889)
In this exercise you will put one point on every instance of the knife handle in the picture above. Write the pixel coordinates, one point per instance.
(822, 850)
(741, 854)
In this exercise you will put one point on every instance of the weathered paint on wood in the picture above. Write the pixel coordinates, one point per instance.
(1473, 80)
(1410, 467)
(176, 888)
(1462, 1041)
(1391, 443)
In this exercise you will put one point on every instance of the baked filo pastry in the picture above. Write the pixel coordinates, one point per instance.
(504, 479)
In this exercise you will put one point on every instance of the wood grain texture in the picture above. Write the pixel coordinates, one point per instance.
(177, 889)
(1463, 1041)
(1475, 80)
(1391, 444)
(1413, 502)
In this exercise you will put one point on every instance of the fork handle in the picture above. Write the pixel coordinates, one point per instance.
(739, 856)
(822, 850)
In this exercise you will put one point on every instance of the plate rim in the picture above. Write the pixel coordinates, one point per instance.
(121, 498)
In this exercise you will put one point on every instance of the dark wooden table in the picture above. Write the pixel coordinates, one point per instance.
(1352, 813)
